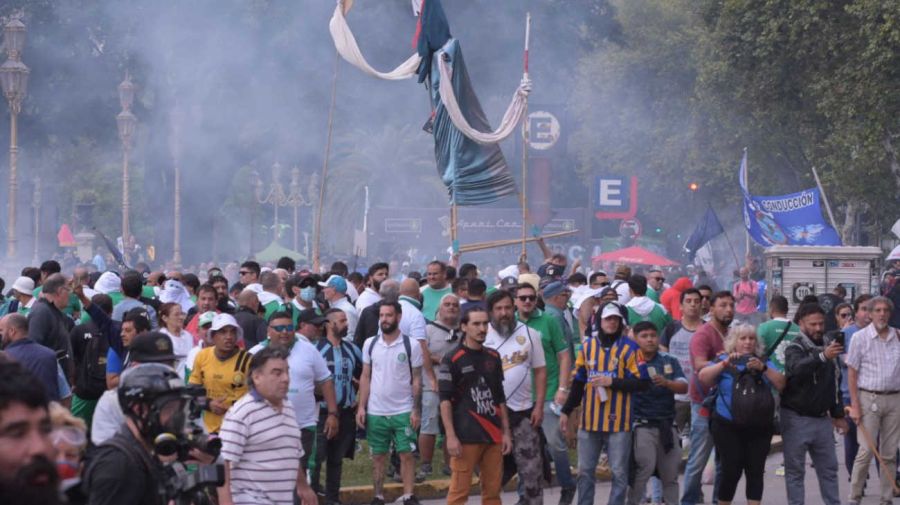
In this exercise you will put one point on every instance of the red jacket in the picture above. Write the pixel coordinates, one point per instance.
(671, 298)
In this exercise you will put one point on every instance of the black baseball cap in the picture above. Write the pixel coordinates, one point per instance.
(310, 316)
(151, 347)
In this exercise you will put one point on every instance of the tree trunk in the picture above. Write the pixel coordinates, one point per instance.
(893, 158)
(849, 232)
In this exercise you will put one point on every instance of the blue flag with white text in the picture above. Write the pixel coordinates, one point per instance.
(793, 219)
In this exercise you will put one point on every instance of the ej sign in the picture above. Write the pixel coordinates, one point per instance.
(615, 198)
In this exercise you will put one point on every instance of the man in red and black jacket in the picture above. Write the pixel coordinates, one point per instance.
(473, 411)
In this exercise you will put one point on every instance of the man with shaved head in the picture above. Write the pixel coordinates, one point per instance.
(34, 357)
(247, 315)
(412, 324)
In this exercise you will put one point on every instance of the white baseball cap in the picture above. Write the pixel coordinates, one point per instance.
(611, 309)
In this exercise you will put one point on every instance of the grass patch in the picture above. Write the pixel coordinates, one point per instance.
(358, 471)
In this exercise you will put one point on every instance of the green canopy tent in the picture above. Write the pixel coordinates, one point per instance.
(274, 251)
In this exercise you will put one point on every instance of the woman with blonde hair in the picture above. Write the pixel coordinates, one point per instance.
(742, 420)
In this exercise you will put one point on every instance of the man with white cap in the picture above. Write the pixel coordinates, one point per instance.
(221, 370)
(606, 375)
(335, 291)
(22, 291)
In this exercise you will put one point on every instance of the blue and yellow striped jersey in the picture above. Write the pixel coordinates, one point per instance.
(619, 362)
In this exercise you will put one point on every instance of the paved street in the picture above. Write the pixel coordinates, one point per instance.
(774, 490)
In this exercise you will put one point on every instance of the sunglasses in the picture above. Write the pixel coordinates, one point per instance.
(845, 315)
(527, 298)
(282, 327)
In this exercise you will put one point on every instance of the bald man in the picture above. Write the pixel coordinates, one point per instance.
(412, 324)
(247, 315)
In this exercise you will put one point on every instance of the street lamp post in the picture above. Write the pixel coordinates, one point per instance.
(36, 205)
(175, 144)
(278, 198)
(126, 122)
(14, 80)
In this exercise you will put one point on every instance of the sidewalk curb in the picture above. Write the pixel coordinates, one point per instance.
(438, 488)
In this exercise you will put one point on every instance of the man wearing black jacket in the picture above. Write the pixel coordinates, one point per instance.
(89, 348)
(811, 407)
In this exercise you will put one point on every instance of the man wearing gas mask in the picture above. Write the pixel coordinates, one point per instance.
(128, 468)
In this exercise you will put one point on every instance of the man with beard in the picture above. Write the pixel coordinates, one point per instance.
(442, 335)
(125, 468)
(390, 399)
(378, 272)
(473, 410)
(811, 408)
(873, 364)
(606, 376)
(707, 343)
(27, 474)
(344, 361)
(522, 355)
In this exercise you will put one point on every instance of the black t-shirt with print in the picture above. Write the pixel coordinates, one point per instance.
(473, 382)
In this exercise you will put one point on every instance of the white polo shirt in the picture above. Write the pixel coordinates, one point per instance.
(390, 390)
(520, 353)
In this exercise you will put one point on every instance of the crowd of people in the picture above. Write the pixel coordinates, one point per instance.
(272, 375)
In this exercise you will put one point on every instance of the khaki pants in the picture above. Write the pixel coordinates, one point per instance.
(489, 459)
(881, 418)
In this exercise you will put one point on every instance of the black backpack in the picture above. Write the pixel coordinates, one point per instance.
(752, 403)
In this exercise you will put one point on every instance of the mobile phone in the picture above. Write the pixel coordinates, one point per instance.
(835, 336)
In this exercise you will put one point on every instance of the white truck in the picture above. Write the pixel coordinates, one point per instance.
(798, 271)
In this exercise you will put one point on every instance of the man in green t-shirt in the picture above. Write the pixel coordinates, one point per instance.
(436, 275)
(768, 332)
(559, 365)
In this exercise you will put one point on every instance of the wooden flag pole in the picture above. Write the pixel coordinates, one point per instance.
(513, 241)
(324, 179)
(524, 199)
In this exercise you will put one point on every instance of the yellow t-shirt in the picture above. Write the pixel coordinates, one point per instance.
(222, 379)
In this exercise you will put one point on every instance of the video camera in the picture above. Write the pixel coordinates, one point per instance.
(191, 482)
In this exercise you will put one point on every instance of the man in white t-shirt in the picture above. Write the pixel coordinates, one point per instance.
(390, 399)
(522, 355)
(308, 370)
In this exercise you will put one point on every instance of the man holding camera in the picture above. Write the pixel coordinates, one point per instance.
(811, 407)
(125, 468)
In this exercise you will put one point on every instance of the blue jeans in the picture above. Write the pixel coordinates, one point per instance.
(701, 447)
(619, 453)
(557, 447)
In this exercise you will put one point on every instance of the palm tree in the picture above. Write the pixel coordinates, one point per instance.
(396, 163)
